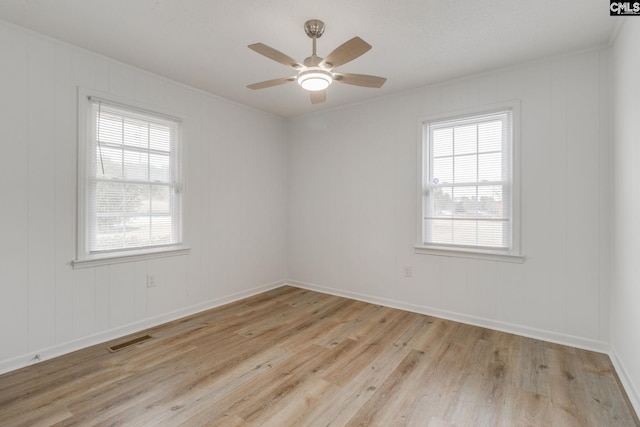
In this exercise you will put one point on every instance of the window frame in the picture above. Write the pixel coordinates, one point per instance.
(512, 254)
(84, 257)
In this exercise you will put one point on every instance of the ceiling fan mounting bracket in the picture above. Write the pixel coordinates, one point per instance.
(314, 28)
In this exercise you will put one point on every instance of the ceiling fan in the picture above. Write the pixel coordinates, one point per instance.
(316, 74)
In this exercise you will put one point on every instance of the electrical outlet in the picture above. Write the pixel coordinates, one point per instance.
(406, 271)
(151, 280)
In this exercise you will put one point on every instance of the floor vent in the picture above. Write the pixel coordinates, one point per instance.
(129, 343)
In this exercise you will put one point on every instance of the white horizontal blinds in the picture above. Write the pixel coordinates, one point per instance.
(468, 185)
(133, 180)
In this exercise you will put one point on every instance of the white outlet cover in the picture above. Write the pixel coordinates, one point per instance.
(406, 271)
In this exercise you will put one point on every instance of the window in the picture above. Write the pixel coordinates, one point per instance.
(130, 199)
(469, 198)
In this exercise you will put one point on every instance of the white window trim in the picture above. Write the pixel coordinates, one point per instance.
(515, 254)
(84, 258)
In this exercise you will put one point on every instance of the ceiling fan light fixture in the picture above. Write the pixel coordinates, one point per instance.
(314, 79)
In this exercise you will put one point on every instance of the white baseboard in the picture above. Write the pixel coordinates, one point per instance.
(632, 392)
(601, 347)
(569, 340)
(70, 346)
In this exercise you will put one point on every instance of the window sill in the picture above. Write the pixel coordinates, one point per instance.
(121, 257)
(462, 253)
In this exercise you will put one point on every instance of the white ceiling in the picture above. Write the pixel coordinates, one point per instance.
(203, 43)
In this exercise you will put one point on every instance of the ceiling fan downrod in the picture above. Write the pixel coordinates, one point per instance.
(314, 29)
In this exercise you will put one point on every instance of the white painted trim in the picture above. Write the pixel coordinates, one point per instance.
(474, 254)
(515, 253)
(96, 261)
(632, 392)
(61, 349)
(83, 257)
(554, 337)
(70, 346)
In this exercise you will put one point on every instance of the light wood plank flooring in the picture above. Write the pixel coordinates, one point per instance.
(292, 357)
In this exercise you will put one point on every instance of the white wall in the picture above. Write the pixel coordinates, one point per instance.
(335, 192)
(235, 208)
(352, 204)
(625, 289)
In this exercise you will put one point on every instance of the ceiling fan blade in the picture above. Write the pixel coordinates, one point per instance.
(360, 80)
(270, 83)
(346, 52)
(318, 96)
(276, 55)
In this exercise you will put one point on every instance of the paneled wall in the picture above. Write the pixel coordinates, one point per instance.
(352, 204)
(235, 208)
(330, 196)
(625, 289)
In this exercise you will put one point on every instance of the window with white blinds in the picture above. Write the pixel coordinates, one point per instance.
(468, 186)
(132, 183)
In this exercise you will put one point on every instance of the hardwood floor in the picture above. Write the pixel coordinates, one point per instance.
(291, 357)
